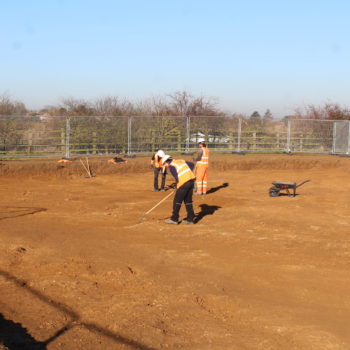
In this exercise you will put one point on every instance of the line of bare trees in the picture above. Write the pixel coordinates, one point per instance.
(178, 103)
(329, 111)
(36, 133)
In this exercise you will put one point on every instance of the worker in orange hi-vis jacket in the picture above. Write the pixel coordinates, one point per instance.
(201, 171)
(158, 168)
(184, 177)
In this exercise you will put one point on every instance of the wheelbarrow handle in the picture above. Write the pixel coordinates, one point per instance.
(302, 183)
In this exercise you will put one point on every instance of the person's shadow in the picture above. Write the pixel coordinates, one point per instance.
(15, 337)
(217, 188)
(206, 210)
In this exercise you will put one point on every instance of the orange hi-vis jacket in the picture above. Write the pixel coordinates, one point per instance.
(204, 162)
(184, 173)
(157, 162)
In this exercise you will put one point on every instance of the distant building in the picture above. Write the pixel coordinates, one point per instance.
(198, 136)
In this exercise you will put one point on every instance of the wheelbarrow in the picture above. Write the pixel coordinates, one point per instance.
(278, 186)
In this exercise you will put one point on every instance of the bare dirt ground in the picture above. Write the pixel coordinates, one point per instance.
(77, 270)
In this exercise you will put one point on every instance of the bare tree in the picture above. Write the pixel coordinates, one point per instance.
(113, 106)
(155, 106)
(205, 106)
(183, 103)
(180, 102)
(77, 107)
(10, 107)
(330, 111)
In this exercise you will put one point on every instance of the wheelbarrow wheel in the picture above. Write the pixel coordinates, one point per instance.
(274, 191)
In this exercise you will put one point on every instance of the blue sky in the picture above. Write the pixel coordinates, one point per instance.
(251, 55)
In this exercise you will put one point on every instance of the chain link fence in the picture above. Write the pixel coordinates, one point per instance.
(310, 135)
(39, 136)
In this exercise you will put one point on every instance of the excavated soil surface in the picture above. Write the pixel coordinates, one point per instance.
(79, 271)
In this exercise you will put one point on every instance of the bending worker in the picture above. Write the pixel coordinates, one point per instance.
(157, 165)
(202, 168)
(184, 177)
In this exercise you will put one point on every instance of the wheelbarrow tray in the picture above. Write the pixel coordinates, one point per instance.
(283, 184)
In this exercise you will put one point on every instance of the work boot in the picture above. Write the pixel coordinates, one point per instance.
(169, 221)
(187, 222)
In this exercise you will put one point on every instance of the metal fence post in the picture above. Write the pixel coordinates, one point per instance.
(30, 143)
(288, 135)
(129, 135)
(239, 133)
(348, 139)
(94, 142)
(188, 133)
(334, 136)
(68, 130)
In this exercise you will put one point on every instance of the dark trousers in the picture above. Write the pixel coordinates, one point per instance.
(156, 174)
(183, 194)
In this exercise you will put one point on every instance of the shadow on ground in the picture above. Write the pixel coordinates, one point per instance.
(217, 188)
(16, 337)
(206, 210)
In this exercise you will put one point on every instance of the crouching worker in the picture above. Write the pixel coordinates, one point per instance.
(158, 168)
(184, 177)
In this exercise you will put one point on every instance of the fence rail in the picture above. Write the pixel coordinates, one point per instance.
(24, 136)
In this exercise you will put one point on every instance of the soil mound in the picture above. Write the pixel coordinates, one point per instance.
(220, 162)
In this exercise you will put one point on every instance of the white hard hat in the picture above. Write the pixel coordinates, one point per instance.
(165, 158)
(160, 153)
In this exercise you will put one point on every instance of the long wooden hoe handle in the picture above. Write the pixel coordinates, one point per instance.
(160, 202)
